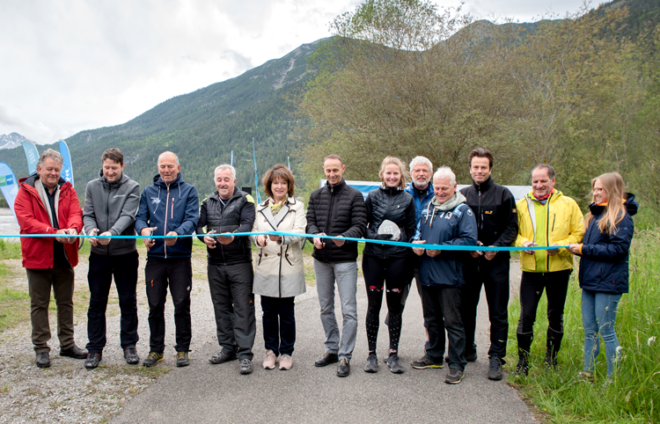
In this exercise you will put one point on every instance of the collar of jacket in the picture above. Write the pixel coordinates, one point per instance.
(630, 203)
(107, 184)
(160, 183)
(288, 201)
(216, 196)
(553, 196)
(390, 190)
(450, 204)
(483, 186)
(33, 179)
(413, 190)
(336, 188)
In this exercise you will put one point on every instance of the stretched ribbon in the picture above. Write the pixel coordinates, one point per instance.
(280, 233)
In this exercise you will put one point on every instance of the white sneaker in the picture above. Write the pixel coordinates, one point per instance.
(270, 360)
(286, 363)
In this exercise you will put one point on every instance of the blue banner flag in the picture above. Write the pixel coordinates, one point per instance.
(231, 162)
(67, 168)
(8, 186)
(31, 156)
(256, 178)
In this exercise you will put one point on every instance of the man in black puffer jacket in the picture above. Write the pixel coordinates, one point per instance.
(336, 210)
(497, 222)
(230, 274)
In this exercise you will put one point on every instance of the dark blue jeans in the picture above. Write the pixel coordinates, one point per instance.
(102, 268)
(444, 302)
(279, 323)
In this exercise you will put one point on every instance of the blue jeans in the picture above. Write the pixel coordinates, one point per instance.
(599, 315)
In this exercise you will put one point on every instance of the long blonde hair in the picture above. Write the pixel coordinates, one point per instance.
(391, 160)
(614, 210)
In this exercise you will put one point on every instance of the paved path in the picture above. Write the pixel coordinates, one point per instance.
(218, 393)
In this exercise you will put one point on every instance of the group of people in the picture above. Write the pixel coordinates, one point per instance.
(428, 210)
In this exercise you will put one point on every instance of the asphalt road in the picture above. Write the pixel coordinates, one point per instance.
(205, 393)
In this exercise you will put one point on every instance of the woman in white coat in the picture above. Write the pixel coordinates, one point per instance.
(279, 275)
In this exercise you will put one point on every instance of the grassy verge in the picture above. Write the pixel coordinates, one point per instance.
(14, 304)
(634, 395)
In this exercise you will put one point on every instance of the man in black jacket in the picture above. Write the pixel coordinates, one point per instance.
(230, 274)
(336, 210)
(497, 222)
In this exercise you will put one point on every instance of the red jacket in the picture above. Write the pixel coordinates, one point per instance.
(33, 218)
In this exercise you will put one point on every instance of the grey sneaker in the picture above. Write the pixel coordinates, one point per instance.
(425, 363)
(182, 359)
(393, 362)
(495, 369)
(454, 376)
(372, 363)
(246, 366)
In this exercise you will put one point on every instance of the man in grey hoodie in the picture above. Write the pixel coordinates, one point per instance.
(111, 203)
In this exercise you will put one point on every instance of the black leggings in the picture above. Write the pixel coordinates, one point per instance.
(394, 275)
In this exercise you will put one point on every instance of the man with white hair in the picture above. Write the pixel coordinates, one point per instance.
(230, 210)
(447, 220)
(168, 207)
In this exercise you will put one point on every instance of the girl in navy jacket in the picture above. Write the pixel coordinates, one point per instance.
(603, 272)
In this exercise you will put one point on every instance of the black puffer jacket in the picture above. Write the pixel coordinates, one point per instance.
(337, 211)
(397, 206)
(237, 216)
(497, 219)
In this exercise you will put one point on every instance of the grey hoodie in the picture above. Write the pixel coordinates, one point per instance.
(112, 207)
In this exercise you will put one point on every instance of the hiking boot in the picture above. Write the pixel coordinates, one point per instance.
(372, 363)
(74, 352)
(425, 363)
(344, 368)
(152, 359)
(270, 360)
(93, 360)
(522, 369)
(550, 361)
(454, 376)
(182, 359)
(222, 357)
(285, 362)
(245, 366)
(131, 356)
(393, 362)
(471, 357)
(327, 359)
(495, 369)
(43, 360)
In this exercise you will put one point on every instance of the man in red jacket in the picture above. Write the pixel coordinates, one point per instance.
(46, 204)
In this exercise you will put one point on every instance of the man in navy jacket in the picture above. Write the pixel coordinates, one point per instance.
(447, 220)
(168, 207)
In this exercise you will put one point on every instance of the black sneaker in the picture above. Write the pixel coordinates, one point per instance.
(74, 352)
(222, 357)
(182, 359)
(152, 359)
(550, 362)
(471, 357)
(393, 362)
(93, 360)
(245, 367)
(344, 368)
(43, 360)
(495, 369)
(372, 363)
(425, 363)
(326, 359)
(131, 356)
(522, 369)
(454, 376)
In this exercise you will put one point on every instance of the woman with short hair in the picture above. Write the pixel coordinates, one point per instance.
(279, 274)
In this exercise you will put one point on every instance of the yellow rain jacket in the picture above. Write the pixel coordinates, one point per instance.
(559, 221)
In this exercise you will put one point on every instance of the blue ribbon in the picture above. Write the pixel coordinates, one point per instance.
(280, 233)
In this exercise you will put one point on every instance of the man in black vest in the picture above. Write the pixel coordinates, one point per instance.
(497, 222)
(230, 273)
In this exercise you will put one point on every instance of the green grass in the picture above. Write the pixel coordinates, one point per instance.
(10, 250)
(634, 395)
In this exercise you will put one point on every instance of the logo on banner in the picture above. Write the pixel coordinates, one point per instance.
(6, 180)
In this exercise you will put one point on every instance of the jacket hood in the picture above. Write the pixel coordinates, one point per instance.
(629, 203)
(450, 204)
(32, 179)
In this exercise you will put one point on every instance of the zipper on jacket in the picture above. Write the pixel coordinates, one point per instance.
(165, 229)
(554, 218)
(107, 216)
(547, 231)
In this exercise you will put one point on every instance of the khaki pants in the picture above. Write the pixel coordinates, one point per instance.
(40, 280)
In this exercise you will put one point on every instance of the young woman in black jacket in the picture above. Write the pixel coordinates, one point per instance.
(385, 266)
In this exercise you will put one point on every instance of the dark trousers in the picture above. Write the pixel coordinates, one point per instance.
(61, 278)
(444, 302)
(233, 303)
(177, 274)
(494, 277)
(279, 323)
(532, 285)
(124, 269)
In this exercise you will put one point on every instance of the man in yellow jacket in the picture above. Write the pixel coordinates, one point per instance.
(545, 218)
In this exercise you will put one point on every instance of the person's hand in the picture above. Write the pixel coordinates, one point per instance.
(339, 243)
(476, 253)
(274, 237)
(105, 241)
(224, 240)
(553, 252)
(490, 254)
(527, 244)
(210, 241)
(148, 242)
(433, 253)
(262, 240)
(171, 241)
(418, 250)
(318, 242)
(72, 232)
(93, 240)
(574, 249)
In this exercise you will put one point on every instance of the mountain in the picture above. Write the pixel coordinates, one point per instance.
(11, 141)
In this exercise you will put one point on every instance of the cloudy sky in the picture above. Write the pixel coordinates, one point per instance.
(71, 65)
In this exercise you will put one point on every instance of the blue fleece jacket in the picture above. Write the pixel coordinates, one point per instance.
(420, 203)
(173, 207)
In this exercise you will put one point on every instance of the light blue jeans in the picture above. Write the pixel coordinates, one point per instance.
(598, 316)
